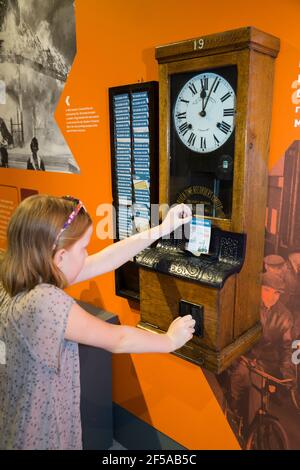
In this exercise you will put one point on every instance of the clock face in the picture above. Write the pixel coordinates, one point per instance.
(204, 112)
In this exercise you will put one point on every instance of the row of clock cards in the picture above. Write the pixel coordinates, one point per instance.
(132, 156)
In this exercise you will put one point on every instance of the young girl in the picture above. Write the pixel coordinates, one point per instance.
(41, 325)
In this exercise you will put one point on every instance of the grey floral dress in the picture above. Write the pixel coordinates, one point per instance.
(40, 386)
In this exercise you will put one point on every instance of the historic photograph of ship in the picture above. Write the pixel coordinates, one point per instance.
(37, 49)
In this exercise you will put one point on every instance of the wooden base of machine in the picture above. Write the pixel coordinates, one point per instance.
(215, 361)
(218, 340)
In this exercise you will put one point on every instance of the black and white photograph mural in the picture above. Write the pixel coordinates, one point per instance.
(260, 392)
(37, 49)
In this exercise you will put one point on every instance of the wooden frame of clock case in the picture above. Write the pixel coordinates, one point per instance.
(231, 317)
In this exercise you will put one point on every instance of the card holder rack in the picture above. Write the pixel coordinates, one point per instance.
(134, 168)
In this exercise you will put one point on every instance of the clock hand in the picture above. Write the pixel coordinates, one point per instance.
(210, 93)
(203, 96)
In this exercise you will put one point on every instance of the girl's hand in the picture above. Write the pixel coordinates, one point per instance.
(180, 331)
(177, 216)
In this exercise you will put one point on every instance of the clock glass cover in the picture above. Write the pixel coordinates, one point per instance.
(204, 112)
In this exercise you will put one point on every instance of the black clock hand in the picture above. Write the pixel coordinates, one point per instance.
(211, 89)
(203, 96)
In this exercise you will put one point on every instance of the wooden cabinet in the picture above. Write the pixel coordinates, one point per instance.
(230, 306)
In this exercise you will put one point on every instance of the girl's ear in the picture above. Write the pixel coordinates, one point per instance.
(59, 257)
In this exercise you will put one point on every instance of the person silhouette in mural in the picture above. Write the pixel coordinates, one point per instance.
(289, 270)
(292, 283)
(4, 153)
(5, 140)
(35, 162)
(273, 351)
(275, 264)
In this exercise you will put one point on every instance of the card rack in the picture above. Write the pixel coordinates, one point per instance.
(134, 168)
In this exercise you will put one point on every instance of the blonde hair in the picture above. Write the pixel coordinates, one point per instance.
(31, 235)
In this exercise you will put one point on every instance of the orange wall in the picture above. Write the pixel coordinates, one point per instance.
(115, 45)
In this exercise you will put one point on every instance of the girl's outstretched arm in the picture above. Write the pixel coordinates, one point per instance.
(84, 328)
(113, 256)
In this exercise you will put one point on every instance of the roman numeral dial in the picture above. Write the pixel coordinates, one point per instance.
(204, 112)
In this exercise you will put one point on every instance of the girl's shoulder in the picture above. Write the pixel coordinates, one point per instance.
(44, 300)
(45, 291)
(45, 287)
(42, 296)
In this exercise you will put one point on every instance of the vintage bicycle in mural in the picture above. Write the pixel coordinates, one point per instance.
(265, 431)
